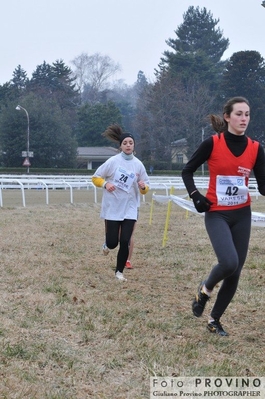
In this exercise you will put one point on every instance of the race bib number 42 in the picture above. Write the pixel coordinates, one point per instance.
(231, 190)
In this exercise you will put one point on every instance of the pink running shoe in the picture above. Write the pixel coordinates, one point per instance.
(128, 265)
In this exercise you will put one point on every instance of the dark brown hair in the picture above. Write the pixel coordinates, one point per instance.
(219, 124)
(115, 133)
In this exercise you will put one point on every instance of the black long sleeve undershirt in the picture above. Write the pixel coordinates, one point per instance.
(237, 145)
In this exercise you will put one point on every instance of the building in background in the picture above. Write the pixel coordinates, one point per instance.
(93, 157)
(179, 151)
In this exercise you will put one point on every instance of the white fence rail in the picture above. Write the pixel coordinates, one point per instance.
(75, 182)
(165, 182)
(45, 183)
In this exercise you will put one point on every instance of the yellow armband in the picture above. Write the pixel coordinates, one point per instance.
(98, 181)
(145, 190)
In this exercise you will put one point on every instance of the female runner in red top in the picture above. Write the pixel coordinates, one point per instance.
(231, 156)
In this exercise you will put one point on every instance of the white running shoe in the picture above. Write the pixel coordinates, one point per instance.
(120, 277)
(105, 249)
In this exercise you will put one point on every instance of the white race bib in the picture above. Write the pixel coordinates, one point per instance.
(123, 179)
(231, 190)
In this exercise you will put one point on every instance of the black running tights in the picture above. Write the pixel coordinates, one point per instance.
(119, 232)
(229, 232)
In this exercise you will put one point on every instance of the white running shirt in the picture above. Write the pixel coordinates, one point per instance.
(123, 202)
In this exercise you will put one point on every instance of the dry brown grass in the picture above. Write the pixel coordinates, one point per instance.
(69, 329)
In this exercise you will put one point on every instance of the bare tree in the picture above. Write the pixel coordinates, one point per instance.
(92, 72)
(80, 63)
(168, 114)
(195, 107)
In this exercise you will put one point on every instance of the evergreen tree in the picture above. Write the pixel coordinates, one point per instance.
(55, 81)
(7, 93)
(20, 79)
(64, 85)
(42, 79)
(13, 136)
(141, 82)
(244, 75)
(93, 119)
(50, 135)
(197, 50)
(198, 33)
(15, 88)
(187, 81)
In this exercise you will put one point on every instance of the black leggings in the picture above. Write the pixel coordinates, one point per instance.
(119, 231)
(229, 232)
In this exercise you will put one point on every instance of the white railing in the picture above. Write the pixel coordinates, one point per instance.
(53, 182)
(45, 182)
(201, 182)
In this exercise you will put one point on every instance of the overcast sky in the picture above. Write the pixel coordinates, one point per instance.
(131, 32)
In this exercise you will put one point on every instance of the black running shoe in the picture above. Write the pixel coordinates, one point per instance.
(199, 302)
(216, 327)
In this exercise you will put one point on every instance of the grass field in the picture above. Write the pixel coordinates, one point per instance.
(69, 329)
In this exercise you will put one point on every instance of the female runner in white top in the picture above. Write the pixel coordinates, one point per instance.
(123, 177)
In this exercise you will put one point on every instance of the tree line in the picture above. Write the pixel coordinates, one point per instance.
(70, 107)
